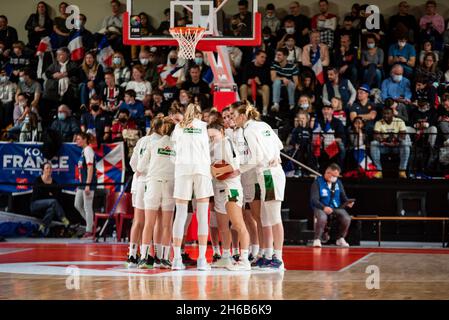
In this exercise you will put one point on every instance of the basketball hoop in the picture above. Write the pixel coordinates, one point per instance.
(188, 38)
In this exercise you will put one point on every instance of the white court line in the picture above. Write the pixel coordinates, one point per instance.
(15, 251)
(357, 261)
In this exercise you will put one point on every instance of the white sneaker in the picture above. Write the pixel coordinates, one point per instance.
(202, 265)
(317, 243)
(222, 263)
(342, 243)
(178, 265)
(239, 266)
(275, 107)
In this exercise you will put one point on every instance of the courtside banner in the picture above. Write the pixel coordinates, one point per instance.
(21, 165)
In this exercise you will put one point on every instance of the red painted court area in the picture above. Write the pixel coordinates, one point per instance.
(296, 258)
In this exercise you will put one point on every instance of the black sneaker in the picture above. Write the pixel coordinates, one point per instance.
(157, 262)
(165, 264)
(236, 257)
(147, 263)
(216, 257)
(131, 263)
(250, 257)
(187, 261)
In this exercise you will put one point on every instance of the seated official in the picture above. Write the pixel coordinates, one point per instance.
(328, 198)
(45, 200)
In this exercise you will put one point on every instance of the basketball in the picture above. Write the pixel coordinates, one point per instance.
(226, 168)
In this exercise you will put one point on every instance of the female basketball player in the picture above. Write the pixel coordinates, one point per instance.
(264, 155)
(228, 196)
(251, 190)
(192, 176)
(159, 167)
(138, 191)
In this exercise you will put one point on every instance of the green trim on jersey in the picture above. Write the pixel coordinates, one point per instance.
(166, 152)
(233, 195)
(193, 130)
(269, 186)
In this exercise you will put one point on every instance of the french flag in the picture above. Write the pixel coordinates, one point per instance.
(317, 66)
(105, 53)
(365, 164)
(43, 47)
(76, 47)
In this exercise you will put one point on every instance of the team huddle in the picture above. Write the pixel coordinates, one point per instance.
(230, 167)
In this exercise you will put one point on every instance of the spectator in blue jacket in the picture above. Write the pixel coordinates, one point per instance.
(397, 87)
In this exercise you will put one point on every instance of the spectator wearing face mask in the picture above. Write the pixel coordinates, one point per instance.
(148, 59)
(301, 23)
(7, 98)
(423, 121)
(123, 122)
(171, 75)
(305, 104)
(270, 20)
(65, 124)
(397, 87)
(404, 54)
(287, 29)
(372, 63)
(87, 37)
(325, 23)
(96, 123)
(122, 73)
(29, 86)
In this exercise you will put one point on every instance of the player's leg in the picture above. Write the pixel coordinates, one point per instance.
(168, 208)
(251, 226)
(157, 238)
(147, 260)
(223, 226)
(137, 225)
(186, 259)
(235, 243)
(214, 233)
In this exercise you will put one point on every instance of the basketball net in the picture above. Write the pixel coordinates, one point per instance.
(188, 38)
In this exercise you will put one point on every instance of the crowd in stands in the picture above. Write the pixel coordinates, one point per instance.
(336, 89)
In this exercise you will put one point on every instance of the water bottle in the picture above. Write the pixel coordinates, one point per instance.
(114, 236)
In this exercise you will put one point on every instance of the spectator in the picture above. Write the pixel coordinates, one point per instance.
(8, 35)
(432, 25)
(236, 57)
(170, 76)
(283, 74)
(270, 20)
(122, 123)
(287, 29)
(147, 58)
(354, 16)
(20, 58)
(21, 115)
(4, 55)
(31, 130)
(301, 24)
(339, 113)
(7, 99)
(357, 146)
(91, 78)
(134, 106)
(301, 141)
(400, 110)
(443, 118)
(269, 44)
(245, 17)
(429, 69)
(294, 52)
(87, 37)
(112, 25)
(332, 135)
(347, 29)
(397, 86)
(364, 109)
(305, 104)
(328, 197)
(88, 181)
(402, 22)
(39, 25)
(314, 51)
(376, 30)
(258, 72)
(195, 85)
(140, 85)
(346, 60)
(30, 87)
(159, 104)
(404, 54)
(45, 200)
(338, 87)
(390, 136)
(122, 73)
(424, 121)
(112, 94)
(185, 98)
(372, 63)
(165, 24)
(308, 86)
(325, 23)
(60, 28)
(96, 123)
(424, 90)
(146, 29)
(427, 47)
(65, 124)
(62, 80)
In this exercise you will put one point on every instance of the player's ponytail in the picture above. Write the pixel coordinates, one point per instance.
(248, 110)
(169, 126)
(157, 124)
(217, 124)
(193, 112)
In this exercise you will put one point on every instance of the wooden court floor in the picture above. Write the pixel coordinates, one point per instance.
(95, 271)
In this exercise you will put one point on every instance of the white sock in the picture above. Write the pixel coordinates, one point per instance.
(226, 253)
(158, 250)
(216, 250)
(145, 251)
(255, 250)
(202, 253)
(166, 252)
(177, 252)
(133, 250)
(244, 255)
(261, 252)
(278, 254)
(269, 253)
(235, 251)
